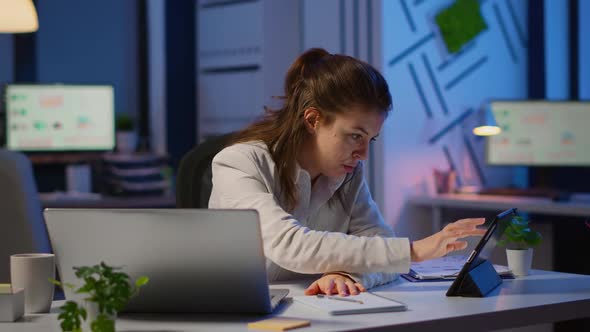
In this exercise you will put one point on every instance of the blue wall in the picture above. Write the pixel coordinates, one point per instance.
(434, 89)
(90, 42)
(584, 55)
(6, 58)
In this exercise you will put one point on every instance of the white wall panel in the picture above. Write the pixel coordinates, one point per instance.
(244, 50)
(229, 100)
(230, 35)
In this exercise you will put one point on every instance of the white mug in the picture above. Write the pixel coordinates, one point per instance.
(32, 272)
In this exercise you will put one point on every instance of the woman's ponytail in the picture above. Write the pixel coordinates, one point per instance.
(299, 69)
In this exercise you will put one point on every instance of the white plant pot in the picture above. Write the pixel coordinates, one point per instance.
(520, 261)
(126, 141)
(92, 314)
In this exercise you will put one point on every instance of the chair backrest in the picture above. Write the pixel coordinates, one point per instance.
(194, 179)
(22, 229)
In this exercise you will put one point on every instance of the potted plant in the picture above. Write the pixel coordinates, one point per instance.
(108, 292)
(126, 135)
(519, 240)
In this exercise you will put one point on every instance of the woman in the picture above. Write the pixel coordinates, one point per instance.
(301, 167)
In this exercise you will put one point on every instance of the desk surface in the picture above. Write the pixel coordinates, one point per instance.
(491, 202)
(543, 297)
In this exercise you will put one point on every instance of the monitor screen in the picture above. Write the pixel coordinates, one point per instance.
(59, 117)
(540, 133)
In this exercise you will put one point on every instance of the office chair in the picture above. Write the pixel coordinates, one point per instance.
(22, 229)
(194, 179)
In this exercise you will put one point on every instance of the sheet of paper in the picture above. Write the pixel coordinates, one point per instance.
(445, 267)
(370, 303)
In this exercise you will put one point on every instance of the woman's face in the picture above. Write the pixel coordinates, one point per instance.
(337, 146)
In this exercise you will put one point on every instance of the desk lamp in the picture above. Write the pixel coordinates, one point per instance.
(18, 16)
(485, 125)
(486, 122)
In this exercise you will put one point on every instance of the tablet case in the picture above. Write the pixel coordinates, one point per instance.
(478, 276)
(478, 281)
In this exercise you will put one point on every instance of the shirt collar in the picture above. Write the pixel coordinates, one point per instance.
(331, 183)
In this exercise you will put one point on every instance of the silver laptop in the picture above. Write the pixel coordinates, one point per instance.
(197, 260)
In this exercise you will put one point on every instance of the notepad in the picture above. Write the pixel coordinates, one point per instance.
(5, 289)
(278, 324)
(370, 303)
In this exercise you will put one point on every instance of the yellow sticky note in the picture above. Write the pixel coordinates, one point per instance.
(278, 324)
(5, 289)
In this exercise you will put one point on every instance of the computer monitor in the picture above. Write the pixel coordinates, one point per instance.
(56, 117)
(540, 133)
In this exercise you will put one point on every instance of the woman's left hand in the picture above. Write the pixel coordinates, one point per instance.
(334, 283)
(447, 240)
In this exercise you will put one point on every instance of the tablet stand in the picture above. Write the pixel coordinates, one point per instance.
(477, 282)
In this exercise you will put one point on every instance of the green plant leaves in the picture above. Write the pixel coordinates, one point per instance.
(108, 288)
(102, 324)
(519, 235)
(533, 238)
(141, 281)
(124, 122)
(71, 317)
(55, 282)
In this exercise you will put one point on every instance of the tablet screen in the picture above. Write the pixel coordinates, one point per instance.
(484, 278)
(488, 242)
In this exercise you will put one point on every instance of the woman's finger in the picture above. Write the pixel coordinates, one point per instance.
(360, 287)
(351, 287)
(328, 286)
(341, 287)
(469, 221)
(457, 245)
(453, 235)
(463, 232)
(313, 289)
(478, 231)
(466, 223)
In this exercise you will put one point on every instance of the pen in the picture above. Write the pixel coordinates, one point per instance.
(339, 298)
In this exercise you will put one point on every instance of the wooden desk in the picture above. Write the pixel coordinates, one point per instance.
(542, 297)
(497, 203)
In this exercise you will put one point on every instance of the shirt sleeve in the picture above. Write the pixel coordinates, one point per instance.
(239, 184)
(366, 220)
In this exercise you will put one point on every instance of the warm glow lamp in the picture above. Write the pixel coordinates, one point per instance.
(486, 125)
(18, 16)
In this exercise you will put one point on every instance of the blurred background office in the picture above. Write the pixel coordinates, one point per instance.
(174, 73)
(178, 72)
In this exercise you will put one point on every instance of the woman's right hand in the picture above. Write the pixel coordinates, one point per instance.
(335, 283)
(446, 241)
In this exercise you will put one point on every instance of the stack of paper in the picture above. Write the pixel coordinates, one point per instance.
(446, 268)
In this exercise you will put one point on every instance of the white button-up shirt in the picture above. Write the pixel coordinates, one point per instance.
(320, 235)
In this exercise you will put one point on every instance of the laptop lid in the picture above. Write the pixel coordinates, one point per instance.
(197, 260)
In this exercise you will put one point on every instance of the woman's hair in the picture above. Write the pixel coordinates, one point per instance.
(331, 83)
